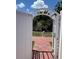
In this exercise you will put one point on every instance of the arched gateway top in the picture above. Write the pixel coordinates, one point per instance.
(44, 15)
(52, 14)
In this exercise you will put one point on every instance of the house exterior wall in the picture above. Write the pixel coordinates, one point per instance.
(23, 35)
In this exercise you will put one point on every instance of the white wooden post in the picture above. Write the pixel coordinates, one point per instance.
(60, 41)
(56, 31)
(23, 35)
(60, 47)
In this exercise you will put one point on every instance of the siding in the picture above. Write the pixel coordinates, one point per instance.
(23, 35)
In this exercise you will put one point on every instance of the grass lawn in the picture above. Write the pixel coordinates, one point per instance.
(47, 34)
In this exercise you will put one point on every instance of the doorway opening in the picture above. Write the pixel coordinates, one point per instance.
(42, 37)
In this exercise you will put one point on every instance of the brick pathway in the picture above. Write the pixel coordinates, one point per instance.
(42, 44)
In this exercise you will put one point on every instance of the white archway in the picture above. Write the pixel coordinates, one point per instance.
(56, 17)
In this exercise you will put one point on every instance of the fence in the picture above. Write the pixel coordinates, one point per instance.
(37, 54)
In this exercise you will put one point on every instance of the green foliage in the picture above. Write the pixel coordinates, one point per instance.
(42, 23)
(58, 6)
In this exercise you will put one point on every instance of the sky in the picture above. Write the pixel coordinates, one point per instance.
(29, 5)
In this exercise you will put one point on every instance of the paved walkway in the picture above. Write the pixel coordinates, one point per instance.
(42, 44)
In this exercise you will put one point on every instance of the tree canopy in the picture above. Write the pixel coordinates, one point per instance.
(42, 23)
(58, 6)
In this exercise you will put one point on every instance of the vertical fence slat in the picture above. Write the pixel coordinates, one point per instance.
(36, 54)
(43, 55)
(39, 54)
(52, 55)
(47, 55)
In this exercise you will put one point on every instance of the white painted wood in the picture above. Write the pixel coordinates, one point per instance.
(23, 35)
(60, 41)
(56, 31)
(60, 47)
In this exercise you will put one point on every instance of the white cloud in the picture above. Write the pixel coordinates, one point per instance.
(39, 4)
(27, 10)
(21, 5)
